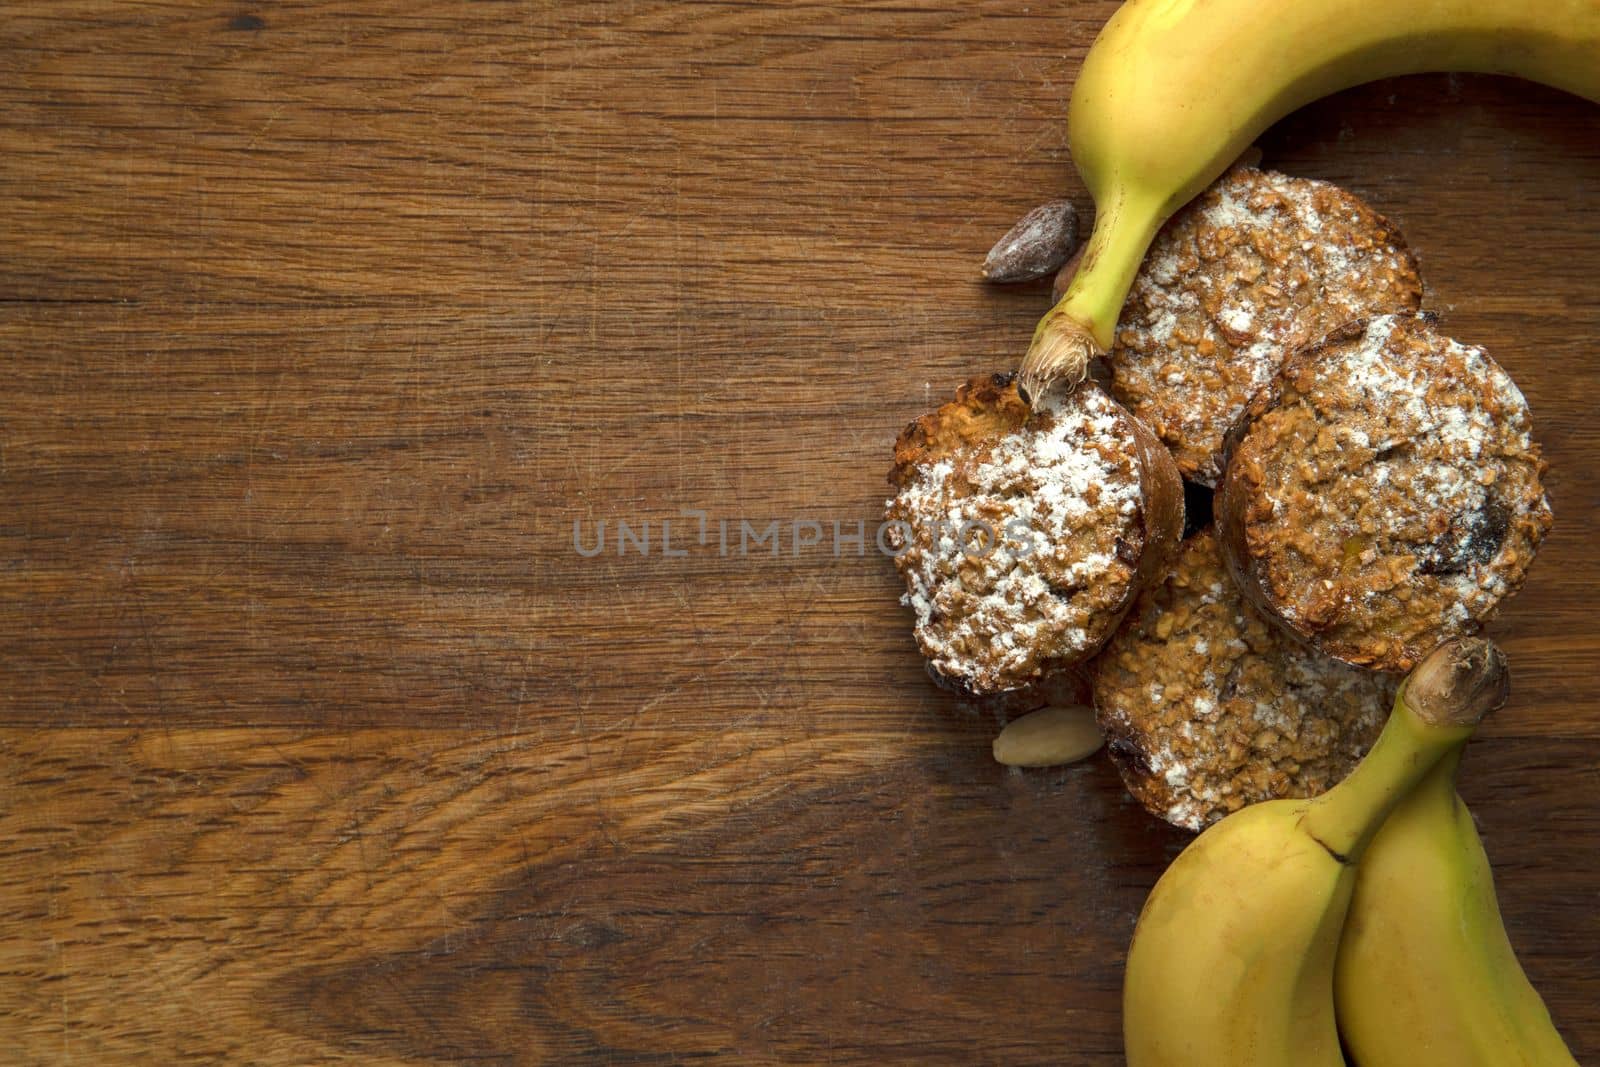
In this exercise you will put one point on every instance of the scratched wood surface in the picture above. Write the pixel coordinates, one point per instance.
(323, 324)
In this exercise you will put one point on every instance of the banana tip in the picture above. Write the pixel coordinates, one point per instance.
(1060, 352)
(1459, 682)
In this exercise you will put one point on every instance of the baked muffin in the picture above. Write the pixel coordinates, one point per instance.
(1207, 707)
(1252, 269)
(1023, 538)
(1384, 494)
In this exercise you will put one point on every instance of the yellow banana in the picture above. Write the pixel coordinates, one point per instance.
(1172, 91)
(1232, 962)
(1426, 976)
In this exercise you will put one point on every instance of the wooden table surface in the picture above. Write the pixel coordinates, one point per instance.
(323, 324)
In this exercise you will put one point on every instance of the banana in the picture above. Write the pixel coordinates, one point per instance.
(1426, 976)
(1172, 91)
(1232, 962)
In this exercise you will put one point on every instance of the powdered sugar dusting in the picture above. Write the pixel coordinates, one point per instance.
(1061, 494)
(1444, 435)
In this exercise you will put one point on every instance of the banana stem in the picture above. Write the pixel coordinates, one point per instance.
(1084, 323)
(1458, 683)
(1435, 712)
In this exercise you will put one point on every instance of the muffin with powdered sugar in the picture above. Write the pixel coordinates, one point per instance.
(1208, 707)
(1385, 493)
(1022, 538)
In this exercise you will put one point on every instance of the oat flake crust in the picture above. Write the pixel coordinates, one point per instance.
(1255, 267)
(1095, 508)
(1207, 707)
(1384, 494)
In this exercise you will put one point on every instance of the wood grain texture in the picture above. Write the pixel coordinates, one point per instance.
(322, 325)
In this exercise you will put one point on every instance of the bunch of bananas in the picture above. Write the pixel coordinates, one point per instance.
(1367, 914)
(1173, 91)
(1363, 921)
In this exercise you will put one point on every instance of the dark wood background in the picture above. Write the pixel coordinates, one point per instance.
(323, 323)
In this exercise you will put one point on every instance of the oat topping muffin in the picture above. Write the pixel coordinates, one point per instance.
(1255, 267)
(1384, 493)
(1023, 539)
(1207, 707)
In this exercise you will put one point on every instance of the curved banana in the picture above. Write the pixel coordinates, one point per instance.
(1232, 962)
(1426, 976)
(1172, 91)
